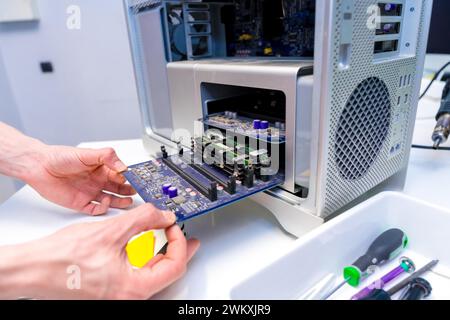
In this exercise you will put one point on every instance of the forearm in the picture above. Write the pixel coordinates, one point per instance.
(18, 153)
(35, 270)
(19, 276)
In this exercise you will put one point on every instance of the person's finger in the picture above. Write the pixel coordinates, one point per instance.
(115, 201)
(154, 260)
(120, 189)
(107, 157)
(97, 208)
(103, 174)
(144, 218)
(116, 177)
(176, 244)
(171, 267)
(192, 247)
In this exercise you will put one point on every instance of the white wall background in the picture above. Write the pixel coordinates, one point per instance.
(90, 96)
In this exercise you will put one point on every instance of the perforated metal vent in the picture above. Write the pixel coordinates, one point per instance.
(356, 161)
(363, 128)
(139, 5)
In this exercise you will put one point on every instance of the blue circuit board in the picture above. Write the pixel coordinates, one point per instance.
(244, 126)
(149, 177)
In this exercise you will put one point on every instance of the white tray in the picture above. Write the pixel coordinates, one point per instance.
(339, 242)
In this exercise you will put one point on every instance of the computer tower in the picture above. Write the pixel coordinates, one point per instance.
(342, 77)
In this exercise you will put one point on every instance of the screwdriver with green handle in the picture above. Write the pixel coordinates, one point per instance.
(386, 247)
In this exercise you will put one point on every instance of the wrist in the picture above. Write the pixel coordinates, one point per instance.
(32, 159)
(34, 270)
(21, 273)
(20, 155)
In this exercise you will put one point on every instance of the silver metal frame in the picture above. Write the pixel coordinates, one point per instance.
(139, 64)
(253, 73)
(327, 78)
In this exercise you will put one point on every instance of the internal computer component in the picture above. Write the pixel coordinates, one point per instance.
(274, 132)
(212, 174)
(270, 28)
(239, 28)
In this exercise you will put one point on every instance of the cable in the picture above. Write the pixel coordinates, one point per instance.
(436, 75)
(416, 146)
(440, 274)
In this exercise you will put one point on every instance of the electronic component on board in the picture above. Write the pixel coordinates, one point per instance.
(255, 128)
(173, 192)
(179, 200)
(191, 188)
(249, 177)
(165, 188)
(164, 152)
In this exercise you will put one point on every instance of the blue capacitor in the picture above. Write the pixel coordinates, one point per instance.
(256, 124)
(264, 125)
(165, 188)
(388, 7)
(173, 192)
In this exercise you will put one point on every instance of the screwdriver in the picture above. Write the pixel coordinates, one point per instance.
(384, 248)
(406, 265)
(387, 295)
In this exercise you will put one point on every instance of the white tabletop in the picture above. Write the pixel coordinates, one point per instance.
(235, 240)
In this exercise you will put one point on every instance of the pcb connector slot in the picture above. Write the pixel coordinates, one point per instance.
(229, 186)
(210, 192)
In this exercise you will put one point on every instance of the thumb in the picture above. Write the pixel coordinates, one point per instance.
(98, 157)
(144, 218)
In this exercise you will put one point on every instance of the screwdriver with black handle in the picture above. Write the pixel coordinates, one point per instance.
(386, 247)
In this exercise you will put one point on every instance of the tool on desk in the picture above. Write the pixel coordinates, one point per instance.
(406, 266)
(418, 289)
(386, 247)
(442, 129)
(380, 294)
(320, 289)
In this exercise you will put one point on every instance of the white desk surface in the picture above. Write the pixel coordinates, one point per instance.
(235, 240)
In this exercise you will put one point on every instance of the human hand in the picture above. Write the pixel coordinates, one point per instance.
(71, 177)
(97, 251)
(77, 179)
